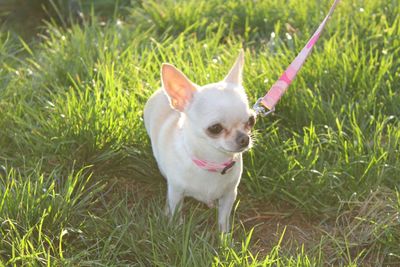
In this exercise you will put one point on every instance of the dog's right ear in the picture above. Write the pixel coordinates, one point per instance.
(178, 87)
(236, 72)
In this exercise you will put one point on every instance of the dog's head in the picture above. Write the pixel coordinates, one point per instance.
(218, 113)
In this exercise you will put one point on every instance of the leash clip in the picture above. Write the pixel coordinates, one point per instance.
(260, 110)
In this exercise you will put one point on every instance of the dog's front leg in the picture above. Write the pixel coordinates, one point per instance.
(225, 204)
(174, 199)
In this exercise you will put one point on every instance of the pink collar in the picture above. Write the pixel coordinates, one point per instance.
(214, 167)
(209, 165)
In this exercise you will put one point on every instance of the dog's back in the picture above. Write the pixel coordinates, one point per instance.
(159, 120)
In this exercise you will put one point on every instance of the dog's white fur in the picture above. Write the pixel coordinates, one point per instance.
(177, 117)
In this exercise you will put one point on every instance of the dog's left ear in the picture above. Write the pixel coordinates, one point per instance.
(179, 88)
(235, 74)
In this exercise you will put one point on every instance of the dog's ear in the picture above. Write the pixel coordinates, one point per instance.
(178, 87)
(235, 74)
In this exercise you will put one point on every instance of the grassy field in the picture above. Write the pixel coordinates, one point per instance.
(79, 185)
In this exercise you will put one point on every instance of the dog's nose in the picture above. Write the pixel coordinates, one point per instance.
(242, 139)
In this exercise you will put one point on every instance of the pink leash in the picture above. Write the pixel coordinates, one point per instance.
(281, 85)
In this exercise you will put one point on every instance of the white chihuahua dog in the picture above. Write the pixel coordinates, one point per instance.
(198, 134)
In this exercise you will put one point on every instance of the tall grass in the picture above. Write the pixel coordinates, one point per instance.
(78, 182)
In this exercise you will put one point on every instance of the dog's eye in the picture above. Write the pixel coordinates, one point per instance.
(215, 129)
(251, 121)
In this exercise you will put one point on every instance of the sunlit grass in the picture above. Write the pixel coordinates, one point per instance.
(73, 144)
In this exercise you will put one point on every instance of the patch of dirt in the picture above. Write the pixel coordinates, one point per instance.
(269, 221)
(272, 224)
(358, 227)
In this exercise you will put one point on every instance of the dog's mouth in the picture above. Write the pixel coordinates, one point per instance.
(231, 151)
(240, 150)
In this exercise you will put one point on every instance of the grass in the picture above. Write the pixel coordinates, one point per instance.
(79, 185)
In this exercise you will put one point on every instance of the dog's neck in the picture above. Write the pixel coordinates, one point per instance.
(201, 149)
